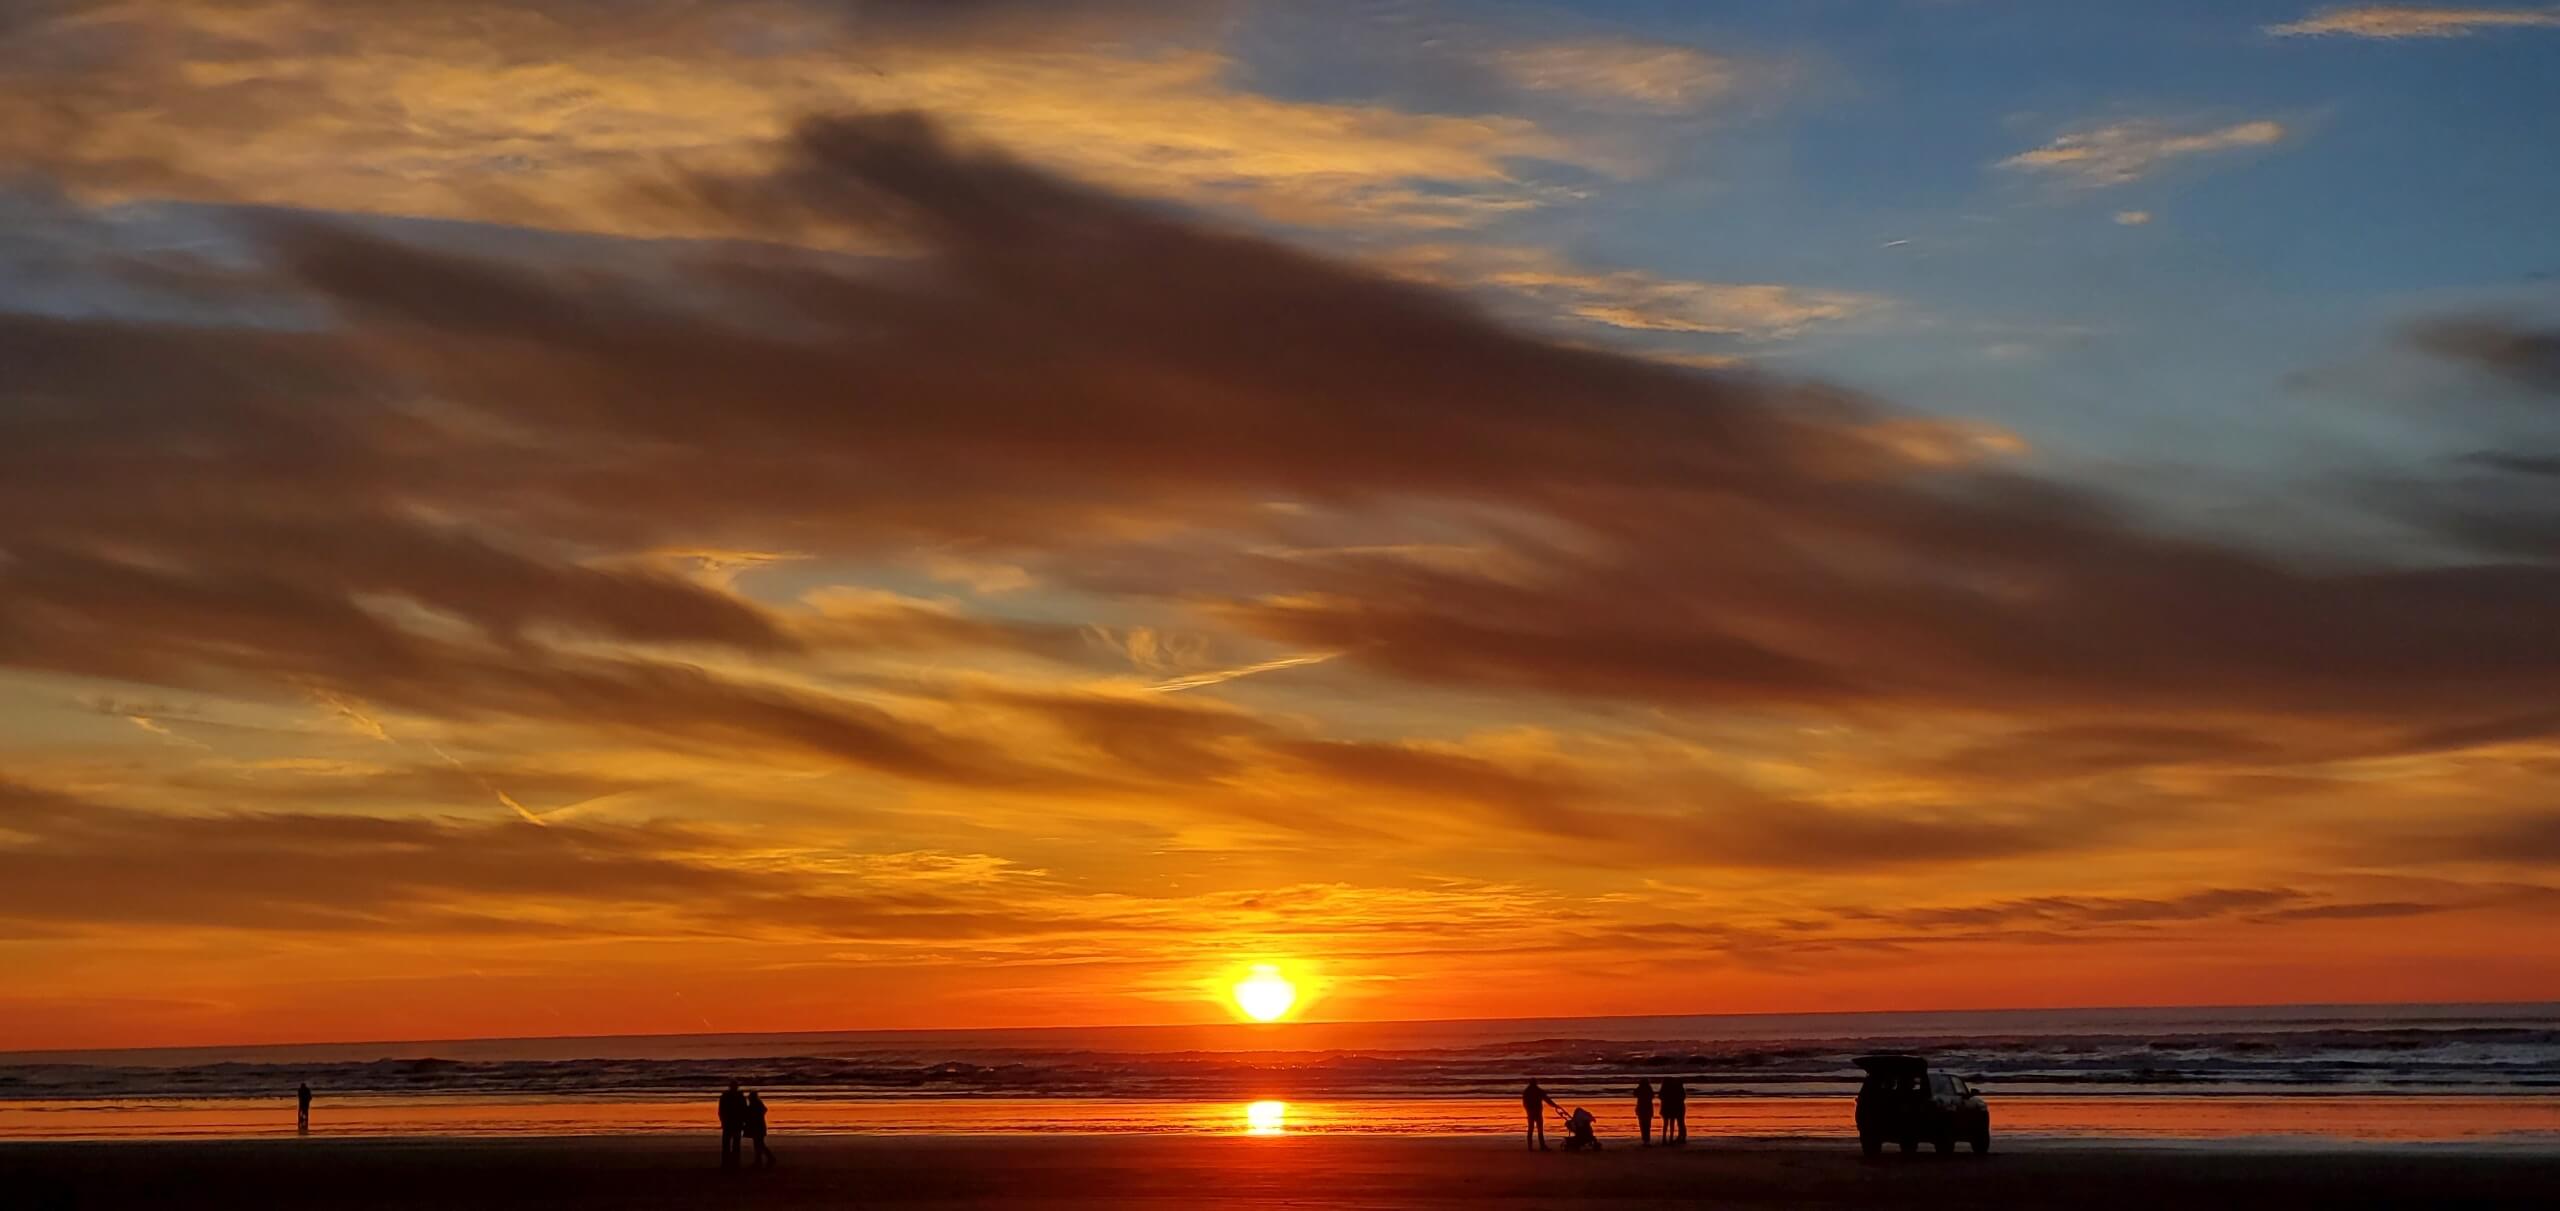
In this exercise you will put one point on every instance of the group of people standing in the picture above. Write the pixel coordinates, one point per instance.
(742, 1119)
(1672, 1101)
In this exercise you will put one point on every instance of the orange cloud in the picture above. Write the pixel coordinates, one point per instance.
(537, 120)
(2121, 152)
(2414, 21)
(1633, 299)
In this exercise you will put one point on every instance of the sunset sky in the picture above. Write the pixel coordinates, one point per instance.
(612, 516)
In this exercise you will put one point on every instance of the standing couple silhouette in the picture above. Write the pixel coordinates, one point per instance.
(742, 1118)
(1675, 1110)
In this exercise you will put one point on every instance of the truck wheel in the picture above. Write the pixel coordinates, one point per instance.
(1943, 1145)
(1909, 1145)
(1871, 1146)
(1982, 1136)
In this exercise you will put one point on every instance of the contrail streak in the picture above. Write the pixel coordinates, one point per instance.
(1197, 680)
(356, 716)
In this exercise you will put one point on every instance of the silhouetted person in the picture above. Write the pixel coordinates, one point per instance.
(733, 1124)
(1675, 1110)
(755, 1128)
(1644, 1112)
(302, 1108)
(1535, 1101)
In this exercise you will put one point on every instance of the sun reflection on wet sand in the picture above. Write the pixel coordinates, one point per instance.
(1266, 1118)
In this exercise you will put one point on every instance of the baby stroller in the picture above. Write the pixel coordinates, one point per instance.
(1578, 1136)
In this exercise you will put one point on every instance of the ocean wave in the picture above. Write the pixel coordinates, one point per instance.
(2296, 1055)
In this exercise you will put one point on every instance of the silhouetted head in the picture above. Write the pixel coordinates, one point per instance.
(733, 1086)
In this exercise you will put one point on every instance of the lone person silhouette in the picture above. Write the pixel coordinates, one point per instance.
(302, 1108)
(1644, 1112)
(1535, 1101)
(733, 1124)
(1675, 1110)
(755, 1129)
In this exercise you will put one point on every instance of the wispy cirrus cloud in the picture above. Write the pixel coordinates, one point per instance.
(2414, 21)
(1622, 72)
(1634, 299)
(2121, 152)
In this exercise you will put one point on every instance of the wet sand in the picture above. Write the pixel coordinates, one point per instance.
(2398, 1118)
(1318, 1172)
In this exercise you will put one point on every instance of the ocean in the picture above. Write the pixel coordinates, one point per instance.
(2478, 1074)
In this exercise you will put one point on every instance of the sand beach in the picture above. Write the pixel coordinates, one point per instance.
(634, 1173)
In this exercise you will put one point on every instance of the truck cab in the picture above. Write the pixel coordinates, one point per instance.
(1902, 1102)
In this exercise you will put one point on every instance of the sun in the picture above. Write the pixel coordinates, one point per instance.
(1264, 995)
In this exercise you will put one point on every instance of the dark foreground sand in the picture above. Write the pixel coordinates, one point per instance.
(1063, 1172)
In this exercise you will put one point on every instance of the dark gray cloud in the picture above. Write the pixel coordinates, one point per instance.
(2039, 754)
(2524, 355)
(1049, 368)
(2093, 910)
(2503, 501)
(2097, 916)
(1787, 835)
(1701, 507)
(2529, 838)
(76, 864)
(2519, 464)
(93, 863)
